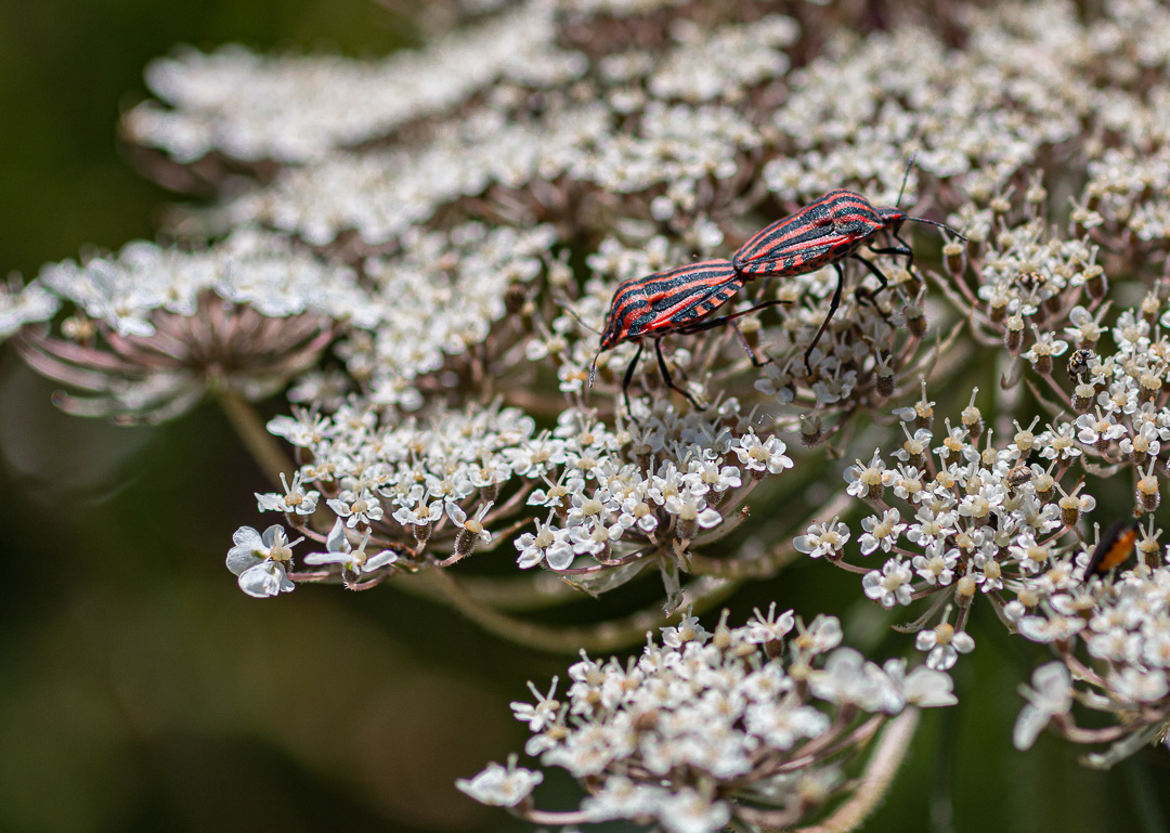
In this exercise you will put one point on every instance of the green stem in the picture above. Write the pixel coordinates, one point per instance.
(263, 447)
(539, 591)
(605, 636)
(875, 781)
(770, 563)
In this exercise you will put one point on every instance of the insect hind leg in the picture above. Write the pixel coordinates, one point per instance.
(731, 319)
(833, 306)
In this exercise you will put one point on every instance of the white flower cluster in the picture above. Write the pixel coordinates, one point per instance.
(956, 518)
(603, 499)
(265, 271)
(724, 64)
(20, 305)
(383, 194)
(619, 8)
(677, 136)
(745, 726)
(1113, 639)
(152, 328)
(436, 301)
(979, 114)
(299, 108)
(1126, 190)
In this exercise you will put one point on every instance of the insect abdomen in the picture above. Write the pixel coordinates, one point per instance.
(664, 300)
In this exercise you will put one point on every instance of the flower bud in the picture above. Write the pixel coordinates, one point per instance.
(885, 380)
(915, 320)
(1043, 364)
(1095, 281)
(953, 253)
(1013, 334)
(811, 428)
(1082, 399)
(1151, 306)
(464, 543)
(997, 307)
(965, 590)
(514, 297)
(749, 328)
(972, 420)
(1151, 385)
(422, 533)
(1147, 491)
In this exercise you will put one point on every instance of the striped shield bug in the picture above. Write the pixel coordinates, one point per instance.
(678, 300)
(826, 231)
(1113, 549)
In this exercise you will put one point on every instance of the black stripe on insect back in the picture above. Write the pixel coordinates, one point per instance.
(670, 313)
(647, 303)
(828, 228)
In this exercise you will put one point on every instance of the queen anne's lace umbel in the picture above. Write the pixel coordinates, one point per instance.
(747, 725)
(419, 251)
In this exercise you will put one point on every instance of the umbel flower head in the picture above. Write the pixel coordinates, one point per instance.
(1112, 638)
(152, 329)
(418, 251)
(748, 726)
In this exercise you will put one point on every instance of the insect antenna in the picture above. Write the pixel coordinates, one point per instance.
(564, 302)
(905, 179)
(593, 368)
(951, 229)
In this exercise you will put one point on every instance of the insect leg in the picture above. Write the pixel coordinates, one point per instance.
(665, 371)
(833, 305)
(867, 297)
(730, 319)
(629, 377)
(723, 319)
(903, 249)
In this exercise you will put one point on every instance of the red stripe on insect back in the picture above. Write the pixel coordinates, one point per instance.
(650, 290)
(828, 228)
(685, 306)
(647, 298)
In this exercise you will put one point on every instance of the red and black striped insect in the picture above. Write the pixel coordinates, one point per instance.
(678, 300)
(1113, 549)
(825, 231)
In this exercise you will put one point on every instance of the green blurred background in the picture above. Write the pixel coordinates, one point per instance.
(141, 691)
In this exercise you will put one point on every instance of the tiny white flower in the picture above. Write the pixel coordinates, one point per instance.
(823, 539)
(501, 786)
(1049, 696)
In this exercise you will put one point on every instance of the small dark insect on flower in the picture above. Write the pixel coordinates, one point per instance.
(678, 300)
(826, 231)
(1113, 549)
(1078, 363)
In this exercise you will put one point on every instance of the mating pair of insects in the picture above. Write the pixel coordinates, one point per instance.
(682, 300)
